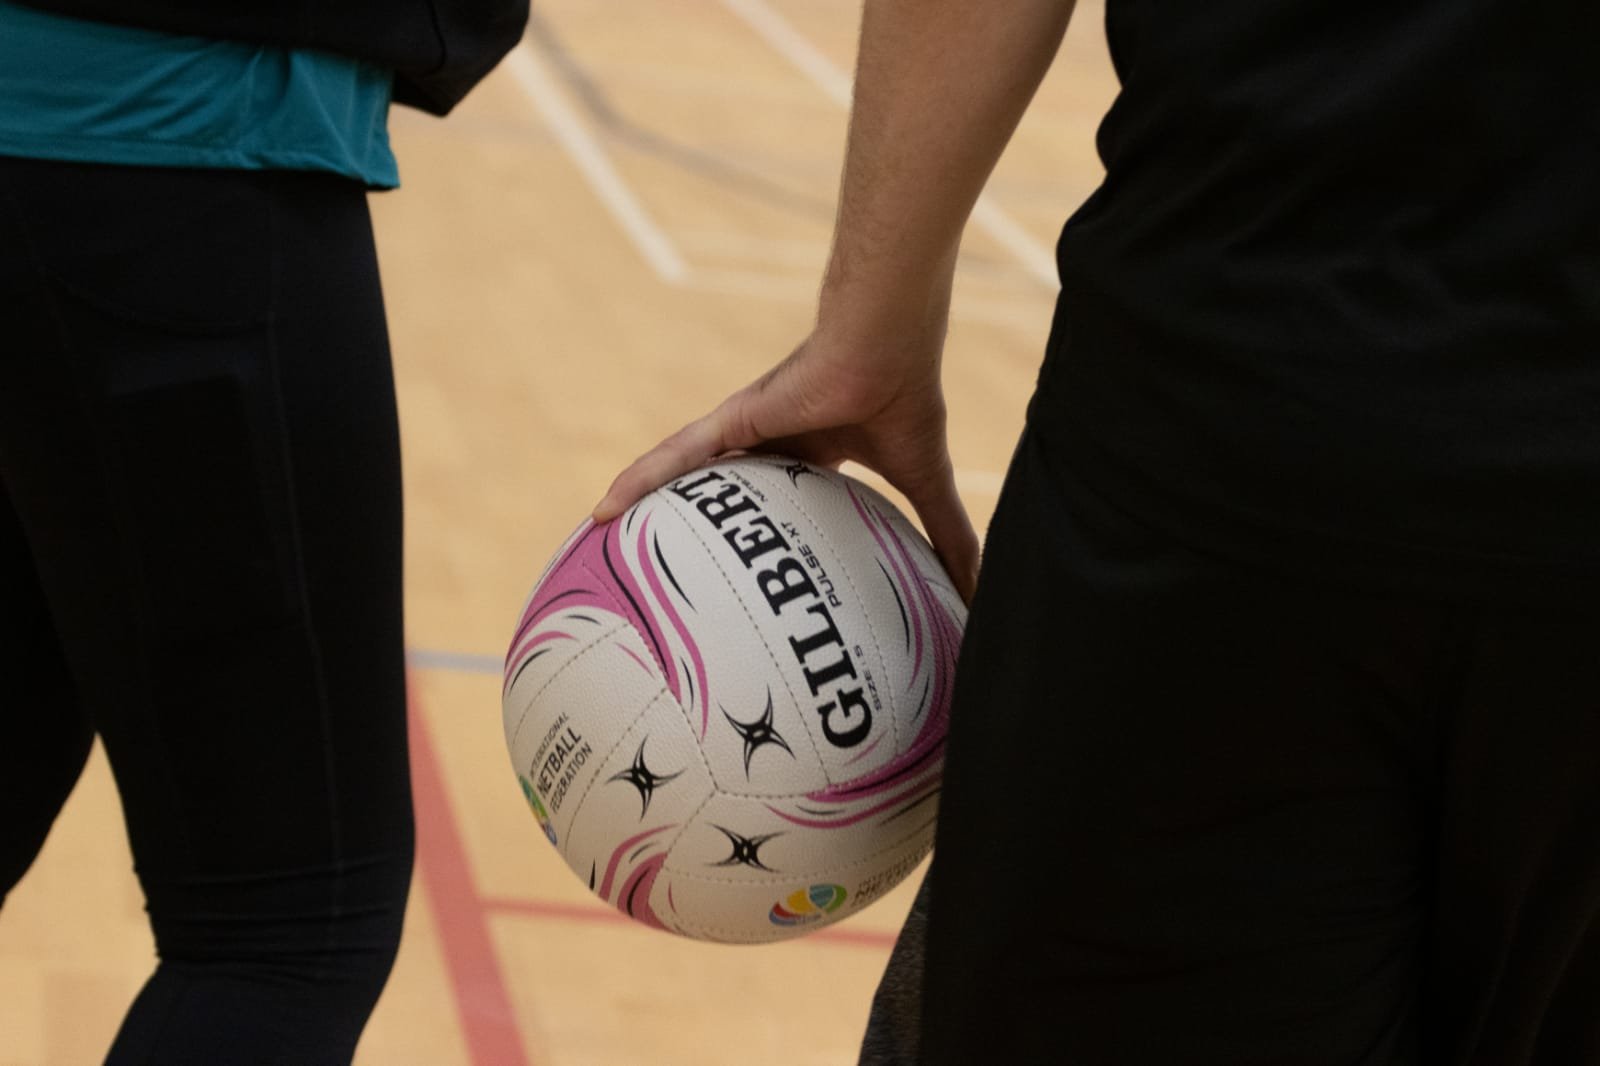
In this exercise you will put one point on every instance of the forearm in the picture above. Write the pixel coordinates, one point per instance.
(940, 88)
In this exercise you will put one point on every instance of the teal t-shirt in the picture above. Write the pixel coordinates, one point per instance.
(92, 93)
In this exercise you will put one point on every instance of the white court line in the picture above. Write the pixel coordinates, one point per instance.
(459, 662)
(592, 161)
(1006, 231)
(788, 42)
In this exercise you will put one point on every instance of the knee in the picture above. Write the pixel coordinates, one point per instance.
(336, 929)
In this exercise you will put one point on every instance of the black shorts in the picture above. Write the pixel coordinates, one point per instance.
(1196, 815)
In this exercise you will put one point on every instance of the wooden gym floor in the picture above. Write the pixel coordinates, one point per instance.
(624, 223)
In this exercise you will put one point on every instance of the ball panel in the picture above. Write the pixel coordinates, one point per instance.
(749, 726)
(634, 806)
(738, 858)
(894, 574)
(798, 598)
(579, 717)
(608, 569)
(827, 535)
(634, 557)
(544, 653)
(923, 687)
(756, 912)
(741, 839)
(578, 592)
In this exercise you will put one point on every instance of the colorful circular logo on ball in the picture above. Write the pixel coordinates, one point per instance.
(538, 808)
(808, 905)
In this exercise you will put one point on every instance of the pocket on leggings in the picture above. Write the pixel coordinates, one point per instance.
(185, 251)
(197, 463)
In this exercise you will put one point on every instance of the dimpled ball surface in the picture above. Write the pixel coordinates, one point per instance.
(727, 708)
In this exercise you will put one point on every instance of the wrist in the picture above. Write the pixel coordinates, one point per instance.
(885, 308)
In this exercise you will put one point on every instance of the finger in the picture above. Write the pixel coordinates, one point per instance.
(730, 427)
(949, 529)
(819, 449)
(680, 453)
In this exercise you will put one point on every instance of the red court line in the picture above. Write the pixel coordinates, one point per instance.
(577, 912)
(483, 1006)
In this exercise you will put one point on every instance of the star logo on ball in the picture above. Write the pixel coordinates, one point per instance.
(641, 777)
(796, 470)
(746, 850)
(757, 734)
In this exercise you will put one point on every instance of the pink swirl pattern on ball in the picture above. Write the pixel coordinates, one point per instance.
(633, 896)
(690, 644)
(915, 774)
(597, 572)
(634, 899)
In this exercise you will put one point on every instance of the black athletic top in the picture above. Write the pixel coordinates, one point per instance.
(1337, 304)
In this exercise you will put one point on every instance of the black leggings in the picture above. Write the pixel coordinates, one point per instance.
(200, 562)
(1195, 815)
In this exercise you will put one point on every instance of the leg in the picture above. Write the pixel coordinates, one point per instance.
(895, 1024)
(1185, 817)
(1515, 976)
(44, 735)
(201, 429)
